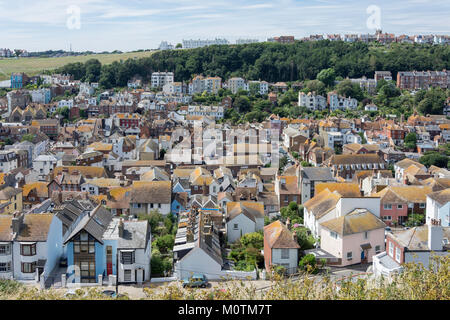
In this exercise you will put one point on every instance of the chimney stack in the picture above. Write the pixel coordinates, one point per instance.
(435, 235)
(17, 222)
(121, 228)
(294, 236)
(288, 223)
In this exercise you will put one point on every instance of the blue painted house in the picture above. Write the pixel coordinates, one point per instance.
(18, 80)
(86, 248)
(180, 202)
(97, 244)
(181, 185)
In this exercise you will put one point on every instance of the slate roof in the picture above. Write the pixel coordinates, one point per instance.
(317, 174)
(95, 223)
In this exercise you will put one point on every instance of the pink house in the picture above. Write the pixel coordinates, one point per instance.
(353, 238)
(397, 202)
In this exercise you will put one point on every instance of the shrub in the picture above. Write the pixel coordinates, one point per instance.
(308, 263)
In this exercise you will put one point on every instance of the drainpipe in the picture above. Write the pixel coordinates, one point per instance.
(12, 259)
(117, 271)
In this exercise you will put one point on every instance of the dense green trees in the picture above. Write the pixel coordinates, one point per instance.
(411, 141)
(433, 101)
(327, 76)
(271, 62)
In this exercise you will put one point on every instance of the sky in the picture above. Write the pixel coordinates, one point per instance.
(126, 25)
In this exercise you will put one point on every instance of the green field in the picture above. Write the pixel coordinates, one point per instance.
(34, 66)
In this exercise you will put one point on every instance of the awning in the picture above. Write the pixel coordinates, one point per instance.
(366, 246)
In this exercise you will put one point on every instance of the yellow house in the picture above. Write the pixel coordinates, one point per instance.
(10, 200)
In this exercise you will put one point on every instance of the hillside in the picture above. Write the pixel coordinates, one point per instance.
(33, 66)
(273, 62)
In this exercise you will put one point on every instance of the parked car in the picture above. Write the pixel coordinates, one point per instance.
(195, 281)
(112, 294)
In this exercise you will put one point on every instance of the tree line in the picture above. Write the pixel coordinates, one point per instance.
(272, 62)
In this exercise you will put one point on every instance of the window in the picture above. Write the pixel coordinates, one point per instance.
(127, 257)
(127, 275)
(422, 205)
(235, 226)
(391, 249)
(349, 255)
(366, 234)
(5, 249)
(399, 206)
(333, 234)
(28, 249)
(5, 267)
(84, 243)
(387, 218)
(284, 253)
(397, 254)
(377, 249)
(28, 267)
(387, 207)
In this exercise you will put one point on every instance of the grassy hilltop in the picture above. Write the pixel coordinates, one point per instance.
(34, 66)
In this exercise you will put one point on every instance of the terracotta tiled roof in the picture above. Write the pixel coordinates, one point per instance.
(278, 236)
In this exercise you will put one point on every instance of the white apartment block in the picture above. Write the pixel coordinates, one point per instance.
(192, 44)
(65, 103)
(201, 84)
(159, 79)
(311, 101)
(209, 111)
(336, 102)
(245, 41)
(236, 84)
(173, 88)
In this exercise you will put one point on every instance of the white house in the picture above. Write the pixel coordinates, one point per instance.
(151, 195)
(311, 101)
(134, 241)
(30, 246)
(43, 165)
(65, 103)
(337, 102)
(438, 207)
(280, 247)
(415, 245)
(242, 218)
(8, 161)
(328, 205)
(159, 79)
(197, 248)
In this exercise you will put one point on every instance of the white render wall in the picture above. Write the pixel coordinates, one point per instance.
(292, 260)
(347, 205)
(41, 253)
(198, 261)
(245, 225)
